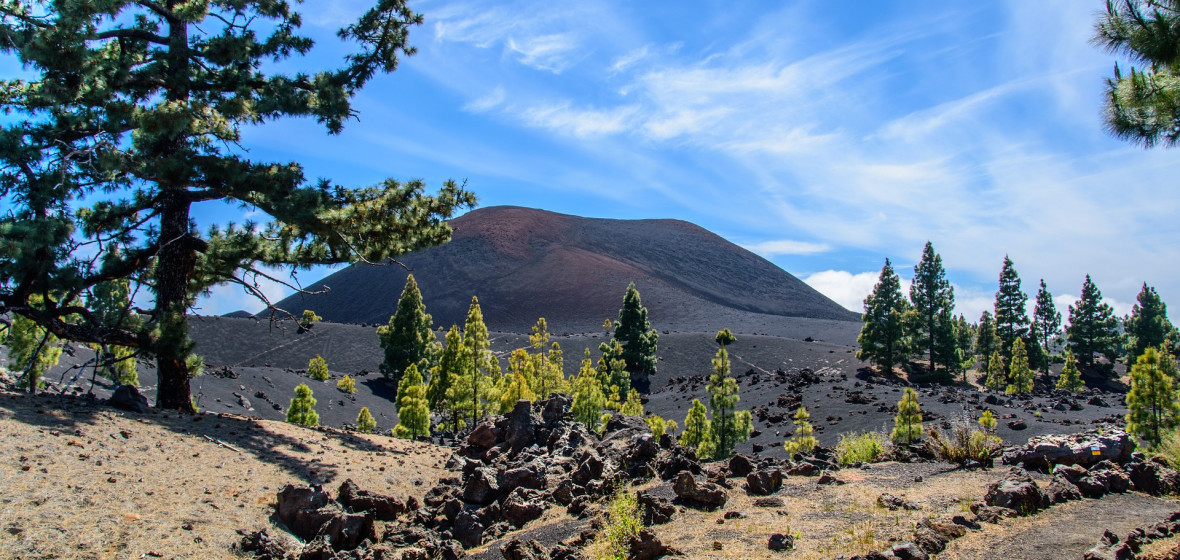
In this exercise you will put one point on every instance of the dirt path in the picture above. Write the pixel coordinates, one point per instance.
(1063, 531)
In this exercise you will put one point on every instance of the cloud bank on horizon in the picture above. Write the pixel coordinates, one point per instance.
(823, 137)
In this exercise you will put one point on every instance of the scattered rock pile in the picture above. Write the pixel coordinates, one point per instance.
(1110, 547)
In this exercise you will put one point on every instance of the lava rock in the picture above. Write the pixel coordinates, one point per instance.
(517, 549)
(780, 542)
(384, 508)
(705, 494)
(764, 481)
(656, 510)
(127, 397)
(646, 546)
(740, 465)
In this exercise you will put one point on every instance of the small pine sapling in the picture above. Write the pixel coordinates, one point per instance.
(698, 431)
(658, 425)
(907, 426)
(632, 406)
(346, 384)
(317, 369)
(413, 409)
(1071, 377)
(1152, 409)
(1020, 374)
(588, 397)
(302, 408)
(364, 421)
(987, 420)
(996, 373)
(308, 319)
(803, 442)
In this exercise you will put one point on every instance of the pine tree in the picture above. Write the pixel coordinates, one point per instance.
(413, 408)
(725, 337)
(946, 346)
(1047, 321)
(1152, 406)
(1093, 328)
(317, 369)
(472, 388)
(987, 420)
(964, 345)
(31, 351)
(588, 397)
(302, 408)
(634, 333)
(933, 299)
(1148, 325)
(517, 382)
(409, 336)
(1071, 378)
(110, 304)
(633, 406)
(307, 319)
(364, 421)
(985, 339)
(657, 425)
(1141, 108)
(1020, 376)
(612, 369)
(1011, 320)
(548, 376)
(997, 373)
(882, 338)
(698, 432)
(452, 362)
(730, 426)
(907, 426)
(347, 384)
(803, 441)
(128, 121)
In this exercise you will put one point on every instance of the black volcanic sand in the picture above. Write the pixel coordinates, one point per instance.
(252, 365)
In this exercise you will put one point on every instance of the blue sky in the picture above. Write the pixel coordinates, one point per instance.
(825, 136)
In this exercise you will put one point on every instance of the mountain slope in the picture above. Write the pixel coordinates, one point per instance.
(525, 263)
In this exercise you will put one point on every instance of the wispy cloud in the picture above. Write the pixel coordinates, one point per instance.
(787, 247)
(493, 99)
(579, 122)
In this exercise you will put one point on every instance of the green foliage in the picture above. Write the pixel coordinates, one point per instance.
(1093, 328)
(588, 397)
(634, 333)
(730, 426)
(467, 373)
(110, 302)
(408, 338)
(623, 520)
(933, 299)
(1142, 108)
(657, 425)
(1152, 408)
(1011, 320)
(882, 338)
(309, 318)
(632, 406)
(1047, 323)
(725, 337)
(861, 447)
(803, 442)
(346, 384)
(997, 374)
(1020, 376)
(32, 350)
(302, 408)
(547, 376)
(317, 369)
(907, 426)
(413, 408)
(1148, 325)
(987, 421)
(1071, 378)
(1169, 448)
(964, 345)
(698, 431)
(516, 382)
(364, 421)
(453, 359)
(985, 339)
(128, 119)
(962, 444)
(612, 369)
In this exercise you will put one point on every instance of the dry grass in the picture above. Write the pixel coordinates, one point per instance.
(827, 520)
(92, 482)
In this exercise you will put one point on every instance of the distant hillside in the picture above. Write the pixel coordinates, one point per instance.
(525, 263)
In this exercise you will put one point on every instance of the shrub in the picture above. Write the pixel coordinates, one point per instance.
(803, 442)
(308, 319)
(317, 369)
(908, 424)
(622, 521)
(988, 421)
(962, 444)
(346, 384)
(1169, 448)
(863, 447)
(658, 425)
(365, 421)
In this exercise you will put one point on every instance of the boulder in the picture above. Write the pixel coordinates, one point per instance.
(482, 487)
(554, 409)
(769, 502)
(522, 506)
(909, 551)
(828, 478)
(893, 503)
(656, 510)
(1085, 449)
(646, 546)
(530, 475)
(519, 433)
(517, 549)
(468, 529)
(590, 469)
(1016, 491)
(780, 542)
(1150, 477)
(1061, 490)
(1109, 548)
(740, 465)
(803, 469)
(384, 508)
(299, 508)
(261, 546)
(764, 481)
(705, 494)
(127, 397)
(483, 436)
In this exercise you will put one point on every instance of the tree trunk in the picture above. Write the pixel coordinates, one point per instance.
(175, 265)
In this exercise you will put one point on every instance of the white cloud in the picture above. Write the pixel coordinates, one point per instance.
(628, 60)
(487, 102)
(545, 52)
(846, 288)
(581, 123)
(787, 247)
(227, 298)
